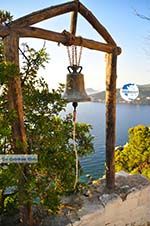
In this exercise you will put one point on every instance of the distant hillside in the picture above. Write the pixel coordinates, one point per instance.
(91, 91)
(143, 98)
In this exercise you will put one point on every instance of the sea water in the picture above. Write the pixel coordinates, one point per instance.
(127, 116)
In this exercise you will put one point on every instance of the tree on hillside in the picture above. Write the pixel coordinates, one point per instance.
(135, 156)
(48, 135)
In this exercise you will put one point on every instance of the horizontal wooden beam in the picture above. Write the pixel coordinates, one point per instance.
(44, 14)
(88, 15)
(67, 39)
(20, 26)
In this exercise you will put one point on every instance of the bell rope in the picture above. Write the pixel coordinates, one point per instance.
(75, 92)
(75, 104)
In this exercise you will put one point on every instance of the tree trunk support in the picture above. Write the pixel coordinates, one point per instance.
(15, 100)
(111, 63)
(15, 104)
(74, 16)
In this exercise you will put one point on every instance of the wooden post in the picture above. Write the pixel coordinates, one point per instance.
(15, 100)
(74, 16)
(15, 103)
(111, 65)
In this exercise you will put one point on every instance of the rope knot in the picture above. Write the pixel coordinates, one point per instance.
(70, 38)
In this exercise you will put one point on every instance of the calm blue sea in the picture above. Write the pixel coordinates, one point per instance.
(128, 115)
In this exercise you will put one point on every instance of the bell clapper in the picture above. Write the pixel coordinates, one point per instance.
(75, 104)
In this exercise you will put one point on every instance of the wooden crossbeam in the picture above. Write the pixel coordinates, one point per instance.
(44, 14)
(66, 39)
(88, 15)
(60, 9)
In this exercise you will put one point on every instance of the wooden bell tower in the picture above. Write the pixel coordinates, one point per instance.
(24, 27)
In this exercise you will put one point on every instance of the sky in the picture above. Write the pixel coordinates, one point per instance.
(130, 32)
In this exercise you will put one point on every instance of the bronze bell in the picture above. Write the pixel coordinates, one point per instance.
(75, 91)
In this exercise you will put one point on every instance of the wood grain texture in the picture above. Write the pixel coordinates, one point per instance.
(66, 39)
(111, 65)
(88, 15)
(22, 25)
(44, 14)
(74, 17)
(4, 31)
(15, 99)
(22, 28)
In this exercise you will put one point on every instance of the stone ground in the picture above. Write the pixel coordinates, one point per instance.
(92, 197)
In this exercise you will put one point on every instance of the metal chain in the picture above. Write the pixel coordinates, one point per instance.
(76, 55)
(69, 56)
(80, 53)
(73, 56)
